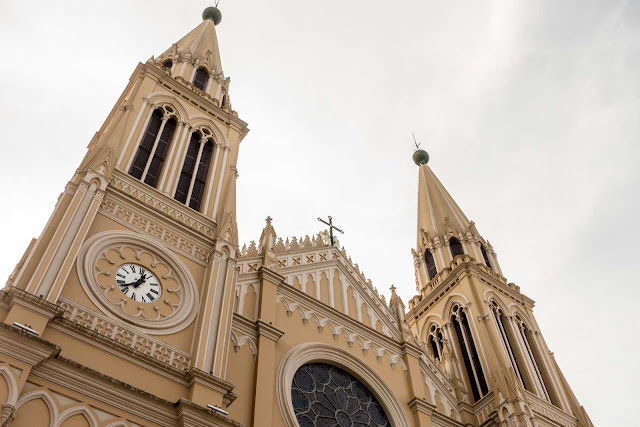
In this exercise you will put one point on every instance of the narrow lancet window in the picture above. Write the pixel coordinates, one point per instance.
(147, 163)
(485, 256)
(201, 78)
(435, 341)
(201, 176)
(184, 183)
(195, 170)
(469, 353)
(538, 363)
(456, 247)
(431, 264)
(508, 339)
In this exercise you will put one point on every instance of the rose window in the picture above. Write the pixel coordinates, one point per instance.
(326, 396)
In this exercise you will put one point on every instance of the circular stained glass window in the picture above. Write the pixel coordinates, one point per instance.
(326, 396)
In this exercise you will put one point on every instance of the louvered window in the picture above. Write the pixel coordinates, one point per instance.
(456, 247)
(485, 256)
(147, 163)
(537, 360)
(201, 78)
(469, 352)
(512, 351)
(195, 169)
(431, 264)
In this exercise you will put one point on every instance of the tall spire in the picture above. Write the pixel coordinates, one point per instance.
(438, 213)
(443, 229)
(200, 45)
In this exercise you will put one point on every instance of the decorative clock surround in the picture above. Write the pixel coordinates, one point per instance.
(105, 254)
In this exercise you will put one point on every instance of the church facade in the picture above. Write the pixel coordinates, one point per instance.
(136, 305)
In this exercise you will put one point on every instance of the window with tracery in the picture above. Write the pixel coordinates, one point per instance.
(485, 256)
(201, 78)
(469, 352)
(456, 247)
(535, 357)
(195, 169)
(431, 264)
(326, 396)
(510, 344)
(153, 148)
(435, 340)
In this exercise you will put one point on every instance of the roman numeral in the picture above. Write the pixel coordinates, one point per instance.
(143, 299)
(154, 284)
(133, 295)
(125, 289)
(154, 291)
(120, 282)
(150, 296)
(119, 275)
(142, 270)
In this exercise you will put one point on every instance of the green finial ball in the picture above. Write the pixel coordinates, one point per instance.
(212, 13)
(420, 157)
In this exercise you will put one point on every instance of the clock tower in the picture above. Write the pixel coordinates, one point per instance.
(133, 275)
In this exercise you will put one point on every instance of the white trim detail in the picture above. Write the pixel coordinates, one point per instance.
(318, 352)
(95, 247)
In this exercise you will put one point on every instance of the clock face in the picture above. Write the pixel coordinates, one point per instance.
(138, 283)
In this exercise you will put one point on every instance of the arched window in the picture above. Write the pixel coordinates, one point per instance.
(456, 247)
(195, 169)
(485, 256)
(431, 264)
(201, 78)
(324, 395)
(538, 363)
(508, 339)
(167, 64)
(153, 148)
(435, 340)
(469, 352)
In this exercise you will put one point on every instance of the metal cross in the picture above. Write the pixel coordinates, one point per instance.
(331, 227)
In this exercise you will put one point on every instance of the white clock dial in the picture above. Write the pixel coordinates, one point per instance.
(138, 283)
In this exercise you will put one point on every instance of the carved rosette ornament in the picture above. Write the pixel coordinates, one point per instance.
(132, 278)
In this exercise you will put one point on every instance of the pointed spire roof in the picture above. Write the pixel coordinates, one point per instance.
(199, 44)
(438, 213)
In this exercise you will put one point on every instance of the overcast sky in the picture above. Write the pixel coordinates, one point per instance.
(529, 111)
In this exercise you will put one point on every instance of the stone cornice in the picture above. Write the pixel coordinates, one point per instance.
(269, 331)
(462, 269)
(419, 405)
(34, 303)
(115, 348)
(340, 318)
(411, 350)
(108, 391)
(190, 414)
(197, 100)
(163, 204)
(265, 273)
(212, 382)
(24, 346)
(244, 325)
(341, 264)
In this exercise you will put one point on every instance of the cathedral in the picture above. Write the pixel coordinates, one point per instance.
(138, 306)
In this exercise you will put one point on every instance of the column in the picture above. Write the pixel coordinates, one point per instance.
(268, 335)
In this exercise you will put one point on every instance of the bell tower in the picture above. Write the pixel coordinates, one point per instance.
(140, 250)
(478, 326)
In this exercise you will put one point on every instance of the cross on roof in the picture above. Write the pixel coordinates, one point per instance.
(331, 227)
